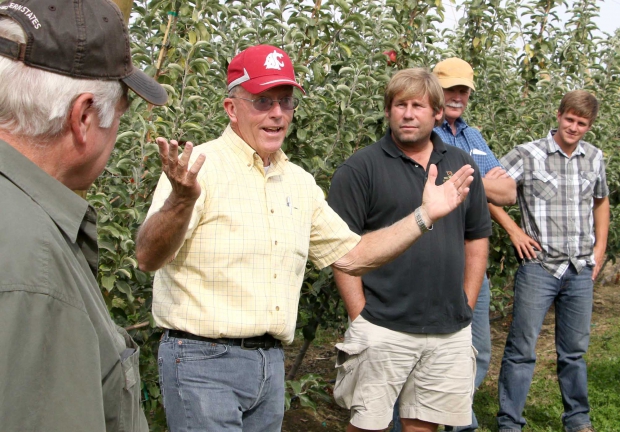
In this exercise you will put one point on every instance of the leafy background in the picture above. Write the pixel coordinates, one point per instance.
(524, 58)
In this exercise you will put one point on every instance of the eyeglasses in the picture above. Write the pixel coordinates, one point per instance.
(288, 103)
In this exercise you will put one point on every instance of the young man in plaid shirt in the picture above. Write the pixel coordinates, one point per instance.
(563, 197)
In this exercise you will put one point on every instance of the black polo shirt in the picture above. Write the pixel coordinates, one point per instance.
(421, 291)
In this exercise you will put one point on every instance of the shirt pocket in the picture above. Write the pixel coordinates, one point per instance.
(588, 181)
(297, 223)
(481, 159)
(131, 415)
(544, 184)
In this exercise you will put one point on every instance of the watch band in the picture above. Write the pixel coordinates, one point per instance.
(420, 220)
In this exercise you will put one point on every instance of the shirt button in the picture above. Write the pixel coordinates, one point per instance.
(277, 308)
(221, 335)
(275, 276)
(180, 342)
(276, 242)
(271, 210)
(249, 165)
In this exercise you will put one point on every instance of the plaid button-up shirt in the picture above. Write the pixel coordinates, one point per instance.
(469, 140)
(240, 270)
(555, 194)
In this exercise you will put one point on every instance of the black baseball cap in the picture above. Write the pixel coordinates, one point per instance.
(85, 39)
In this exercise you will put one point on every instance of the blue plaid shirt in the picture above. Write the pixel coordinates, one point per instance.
(470, 140)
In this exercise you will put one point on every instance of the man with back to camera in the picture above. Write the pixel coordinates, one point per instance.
(230, 242)
(410, 334)
(563, 197)
(64, 365)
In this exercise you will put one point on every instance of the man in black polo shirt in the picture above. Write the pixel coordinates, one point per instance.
(410, 333)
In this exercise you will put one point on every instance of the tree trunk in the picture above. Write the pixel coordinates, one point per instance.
(298, 359)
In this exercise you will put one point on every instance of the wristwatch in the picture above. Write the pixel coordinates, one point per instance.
(420, 220)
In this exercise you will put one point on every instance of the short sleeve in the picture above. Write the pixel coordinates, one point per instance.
(330, 236)
(349, 195)
(601, 189)
(513, 163)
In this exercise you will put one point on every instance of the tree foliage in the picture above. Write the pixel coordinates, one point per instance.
(524, 58)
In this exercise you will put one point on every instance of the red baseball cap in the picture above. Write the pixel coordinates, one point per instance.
(260, 68)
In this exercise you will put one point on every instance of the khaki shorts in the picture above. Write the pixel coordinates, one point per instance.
(432, 373)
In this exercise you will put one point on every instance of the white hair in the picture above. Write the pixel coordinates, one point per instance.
(36, 103)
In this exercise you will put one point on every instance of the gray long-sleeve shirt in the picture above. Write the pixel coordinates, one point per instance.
(64, 365)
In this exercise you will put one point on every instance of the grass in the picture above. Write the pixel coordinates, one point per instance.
(543, 409)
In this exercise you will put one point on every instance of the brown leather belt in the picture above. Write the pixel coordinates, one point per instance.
(265, 341)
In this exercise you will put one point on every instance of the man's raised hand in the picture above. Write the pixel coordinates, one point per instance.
(438, 201)
(181, 176)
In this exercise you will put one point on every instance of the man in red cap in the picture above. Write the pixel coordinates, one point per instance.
(230, 243)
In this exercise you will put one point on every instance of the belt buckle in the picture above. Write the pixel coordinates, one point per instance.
(246, 347)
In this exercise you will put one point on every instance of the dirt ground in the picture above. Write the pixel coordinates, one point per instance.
(320, 359)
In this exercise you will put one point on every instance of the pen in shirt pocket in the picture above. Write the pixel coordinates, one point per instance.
(288, 204)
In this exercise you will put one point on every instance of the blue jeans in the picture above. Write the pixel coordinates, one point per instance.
(535, 291)
(481, 339)
(216, 387)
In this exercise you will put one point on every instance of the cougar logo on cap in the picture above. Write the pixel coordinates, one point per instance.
(260, 67)
(273, 61)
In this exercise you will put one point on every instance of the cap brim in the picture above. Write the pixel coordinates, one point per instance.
(264, 83)
(451, 82)
(146, 87)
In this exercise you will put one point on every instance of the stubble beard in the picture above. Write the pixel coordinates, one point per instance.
(412, 142)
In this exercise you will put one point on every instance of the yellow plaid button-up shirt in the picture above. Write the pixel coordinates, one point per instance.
(240, 269)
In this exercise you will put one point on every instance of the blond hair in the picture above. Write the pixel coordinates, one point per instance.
(415, 82)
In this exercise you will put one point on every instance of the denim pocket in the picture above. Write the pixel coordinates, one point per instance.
(189, 350)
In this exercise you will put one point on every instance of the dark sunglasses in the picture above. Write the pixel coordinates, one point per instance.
(264, 103)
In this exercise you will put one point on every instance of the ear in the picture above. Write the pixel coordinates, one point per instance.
(231, 110)
(439, 116)
(82, 118)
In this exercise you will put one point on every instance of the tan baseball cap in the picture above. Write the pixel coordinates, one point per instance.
(454, 71)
